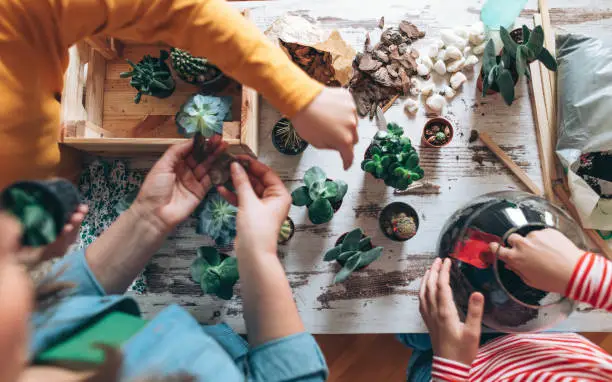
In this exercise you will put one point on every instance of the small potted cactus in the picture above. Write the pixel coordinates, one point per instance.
(216, 219)
(322, 196)
(286, 140)
(215, 272)
(286, 231)
(437, 132)
(42, 208)
(399, 221)
(151, 76)
(392, 158)
(501, 72)
(203, 114)
(198, 71)
(353, 251)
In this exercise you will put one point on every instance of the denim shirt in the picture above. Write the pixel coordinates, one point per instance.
(173, 341)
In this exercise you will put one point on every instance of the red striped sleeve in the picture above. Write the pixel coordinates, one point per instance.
(591, 281)
(444, 369)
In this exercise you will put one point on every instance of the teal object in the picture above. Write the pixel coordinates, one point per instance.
(496, 13)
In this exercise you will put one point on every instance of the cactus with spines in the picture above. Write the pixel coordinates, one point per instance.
(191, 69)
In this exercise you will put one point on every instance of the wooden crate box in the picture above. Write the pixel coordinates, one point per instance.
(99, 115)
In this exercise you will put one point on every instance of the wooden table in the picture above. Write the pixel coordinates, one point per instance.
(383, 297)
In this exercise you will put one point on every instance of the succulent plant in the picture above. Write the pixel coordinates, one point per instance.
(286, 139)
(319, 194)
(354, 252)
(191, 69)
(497, 70)
(403, 226)
(286, 231)
(217, 219)
(28, 206)
(215, 272)
(151, 76)
(203, 114)
(393, 159)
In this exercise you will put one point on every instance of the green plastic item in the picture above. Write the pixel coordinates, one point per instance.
(114, 329)
(496, 13)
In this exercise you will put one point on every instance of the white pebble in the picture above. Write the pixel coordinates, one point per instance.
(422, 70)
(415, 87)
(427, 89)
(441, 54)
(440, 67)
(449, 93)
(467, 51)
(411, 106)
(432, 51)
(450, 38)
(461, 32)
(457, 80)
(455, 66)
(452, 53)
(425, 60)
(436, 103)
(470, 61)
(476, 33)
(479, 49)
(439, 43)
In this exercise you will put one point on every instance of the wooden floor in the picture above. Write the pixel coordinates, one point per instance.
(380, 357)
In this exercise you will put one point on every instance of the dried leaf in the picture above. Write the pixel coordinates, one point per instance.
(411, 30)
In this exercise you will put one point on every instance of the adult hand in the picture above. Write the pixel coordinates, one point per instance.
(450, 338)
(175, 186)
(31, 257)
(263, 203)
(544, 259)
(330, 122)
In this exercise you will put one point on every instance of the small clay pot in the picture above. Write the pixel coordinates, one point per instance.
(341, 238)
(59, 197)
(479, 86)
(443, 122)
(292, 225)
(278, 143)
(384, 219)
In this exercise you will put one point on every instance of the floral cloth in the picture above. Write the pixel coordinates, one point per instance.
(103, 185)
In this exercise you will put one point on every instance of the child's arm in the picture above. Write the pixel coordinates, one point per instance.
(591, 281)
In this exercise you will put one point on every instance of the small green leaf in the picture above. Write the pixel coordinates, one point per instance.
(536, 40)
(331, 190)
(351, 264)
(395, 129)
(485, 85)
(351, 240)
(333, 253)
(228, 270)
(320, 211)
(521, 61)
(375, 150)
(314, 174)
(365, 243)
(526, 33)
(317, 190)
(506, 86)
(509, 44)
(488, 59)
(342, 188)
(369, 166)
(344, 256)
(299, 197)
(370, 256)
(197, 269)
(379, 172)
(210, 255)
(210, 282)
(548, 60)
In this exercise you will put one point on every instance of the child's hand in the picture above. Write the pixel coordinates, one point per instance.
(544, 259)
(330, 122)
(450, 338)
(263, 203)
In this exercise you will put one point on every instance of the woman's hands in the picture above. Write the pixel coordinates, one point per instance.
(330, 122)
(451, 339)
(263, 203)
(175, 186)
(544, 259)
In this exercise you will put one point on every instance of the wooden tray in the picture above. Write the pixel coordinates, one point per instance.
(99, 115)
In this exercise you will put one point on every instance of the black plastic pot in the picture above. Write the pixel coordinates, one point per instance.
(341, 238)
(59, 197)
(215, 85)
(384, 219)
(280, 146)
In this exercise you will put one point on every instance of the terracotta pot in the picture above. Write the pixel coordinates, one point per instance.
(479, 86)
(442, 121)
(386, 214)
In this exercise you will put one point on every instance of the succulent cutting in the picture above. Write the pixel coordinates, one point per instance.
(216, 273)
(217, 219)
(392, 158)
(151, 76)
(353, 252)
(320, 195)
(191, 69)
(203, 114)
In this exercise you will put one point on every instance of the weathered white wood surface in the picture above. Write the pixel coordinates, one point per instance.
(382, 298)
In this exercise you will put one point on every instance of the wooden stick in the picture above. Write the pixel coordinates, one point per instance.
(390, 103)
(600, 243)
(509, 163)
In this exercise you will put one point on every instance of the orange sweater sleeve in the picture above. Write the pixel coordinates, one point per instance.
(35, 36)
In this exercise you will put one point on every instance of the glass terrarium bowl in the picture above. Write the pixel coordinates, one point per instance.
(510, 304)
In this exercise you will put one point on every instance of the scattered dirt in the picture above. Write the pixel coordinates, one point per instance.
(476, 157)
(473, 136)
(383, 71)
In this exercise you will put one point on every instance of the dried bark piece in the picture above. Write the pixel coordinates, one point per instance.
(405, 82)
(368, 64)
(381, 56)
(411, 30)
(382, 77)
(366, 45)
(316, 63)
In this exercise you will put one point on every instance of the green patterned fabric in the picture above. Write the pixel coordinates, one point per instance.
(104, 184)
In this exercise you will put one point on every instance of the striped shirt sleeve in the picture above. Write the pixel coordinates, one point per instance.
(444, 369)
(591, 281)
